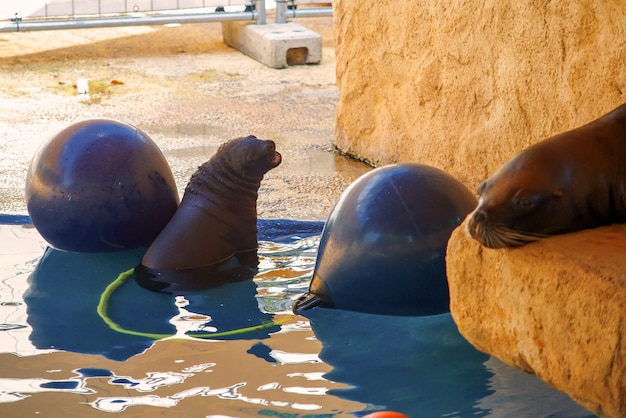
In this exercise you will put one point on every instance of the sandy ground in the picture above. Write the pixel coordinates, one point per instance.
(189, 92)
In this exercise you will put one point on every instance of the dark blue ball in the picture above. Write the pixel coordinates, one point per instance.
(383, 247)
(100, 185)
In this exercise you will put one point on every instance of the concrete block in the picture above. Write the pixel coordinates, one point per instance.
(276, 45)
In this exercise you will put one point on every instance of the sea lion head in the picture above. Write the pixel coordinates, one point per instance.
(525, 200)
(249, 156)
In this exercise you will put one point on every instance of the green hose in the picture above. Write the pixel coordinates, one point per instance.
(105, 297)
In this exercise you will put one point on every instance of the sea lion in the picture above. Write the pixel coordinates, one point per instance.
(214, 230)
(568, 182)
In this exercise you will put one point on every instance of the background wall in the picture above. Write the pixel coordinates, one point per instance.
(464, 85)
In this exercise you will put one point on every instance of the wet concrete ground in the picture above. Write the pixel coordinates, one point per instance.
(189, 92)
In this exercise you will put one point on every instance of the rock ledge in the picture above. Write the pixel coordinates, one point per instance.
(555, 308)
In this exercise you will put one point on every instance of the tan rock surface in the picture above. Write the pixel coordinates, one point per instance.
(463, 88)
(554, 308)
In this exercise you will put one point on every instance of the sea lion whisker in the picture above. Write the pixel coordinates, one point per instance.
(500, 236)
(506, 237)
(525, 234)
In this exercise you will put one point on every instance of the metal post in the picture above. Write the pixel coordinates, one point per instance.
(261, 14)
(281, 11)
(17, 19)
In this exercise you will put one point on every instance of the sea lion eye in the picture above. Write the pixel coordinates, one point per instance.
(524, 203)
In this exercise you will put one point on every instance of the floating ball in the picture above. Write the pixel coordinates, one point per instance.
(383, 246)
(100, 185)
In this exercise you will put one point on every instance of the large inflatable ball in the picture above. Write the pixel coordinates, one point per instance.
(383, 246)
(100, 185)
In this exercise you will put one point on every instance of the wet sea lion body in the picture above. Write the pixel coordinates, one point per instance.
(214, 230)
(572, 181)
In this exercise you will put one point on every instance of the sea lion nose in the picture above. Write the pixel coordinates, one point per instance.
(475, 218)
(479, 216)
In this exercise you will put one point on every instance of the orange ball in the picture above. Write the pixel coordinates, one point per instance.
(386, 414)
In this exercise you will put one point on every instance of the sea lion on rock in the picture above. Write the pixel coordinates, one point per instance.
(214, 230)
(568, 182)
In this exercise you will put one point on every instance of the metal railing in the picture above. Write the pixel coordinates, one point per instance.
(31, 15)
(292, 9)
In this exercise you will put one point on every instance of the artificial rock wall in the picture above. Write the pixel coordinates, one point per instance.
(465, 85)
(554, 308)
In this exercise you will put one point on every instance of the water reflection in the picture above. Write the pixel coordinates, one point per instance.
(62, 296)
(12, 390)
(65, 289)
(354, 364)
(422, 366)
(119, 404)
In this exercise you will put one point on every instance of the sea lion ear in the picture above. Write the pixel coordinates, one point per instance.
(557, 193)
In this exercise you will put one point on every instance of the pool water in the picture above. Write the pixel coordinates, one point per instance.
(233, 351)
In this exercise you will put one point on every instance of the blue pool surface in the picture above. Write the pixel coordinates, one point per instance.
(233, 351)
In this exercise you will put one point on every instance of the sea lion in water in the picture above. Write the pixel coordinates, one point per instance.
(568, 182)
(214, 230)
